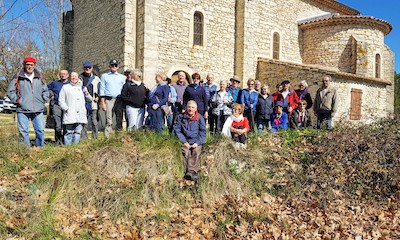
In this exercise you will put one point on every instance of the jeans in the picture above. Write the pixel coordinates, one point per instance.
(262, 123)
(38, 125)
(73, 133)
(135, 117)
(321, 116)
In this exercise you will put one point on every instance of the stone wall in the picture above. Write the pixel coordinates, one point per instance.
(374, 97)
(175, 48)
(326, 46)
(263, 18)
(98, 33)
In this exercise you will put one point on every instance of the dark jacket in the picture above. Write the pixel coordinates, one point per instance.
(134, 95)
(198, 94)
(160, 96)
(33, 95)
(302, 123)
(265, 107)
(306, 96)
(191, 130)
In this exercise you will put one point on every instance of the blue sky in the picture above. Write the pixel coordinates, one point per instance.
(386, 10)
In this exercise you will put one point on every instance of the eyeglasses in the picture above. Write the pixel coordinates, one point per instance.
(235, 108)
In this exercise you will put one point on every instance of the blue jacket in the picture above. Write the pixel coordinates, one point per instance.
(283, 119)
(160, 95)
(33, 95)
(191, 130)
(236, 93)
(248, 98)
(55, 87)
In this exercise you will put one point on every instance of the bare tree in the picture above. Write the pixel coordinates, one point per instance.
(30, 28)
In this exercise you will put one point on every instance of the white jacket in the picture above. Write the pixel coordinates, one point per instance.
(72, 101)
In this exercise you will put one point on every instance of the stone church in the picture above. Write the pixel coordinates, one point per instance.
(271, 40)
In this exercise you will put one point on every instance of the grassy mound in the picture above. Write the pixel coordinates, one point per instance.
(292, 184)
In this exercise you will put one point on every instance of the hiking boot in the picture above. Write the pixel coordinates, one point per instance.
(188, 176)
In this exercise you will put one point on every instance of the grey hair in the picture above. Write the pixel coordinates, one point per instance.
(137, 72)
(191, 102)
(304, 83)
(328, 76)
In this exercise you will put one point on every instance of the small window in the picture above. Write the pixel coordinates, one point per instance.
(275, 46)
(378, 66)
(356, 102)
(198, 28)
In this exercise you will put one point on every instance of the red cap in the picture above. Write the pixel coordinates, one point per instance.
(30, 59)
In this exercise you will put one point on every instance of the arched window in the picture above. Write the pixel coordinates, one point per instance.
(378, 65)
(198, 22)
(275, 46)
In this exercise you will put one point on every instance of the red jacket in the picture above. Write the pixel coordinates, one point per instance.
(244, 123)
(292, 98)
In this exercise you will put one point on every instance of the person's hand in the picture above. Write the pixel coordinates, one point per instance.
(104, 107)
(251, 106)
(85, 91)
(96, 99)
(154, 106)
(290, 109)
(206, 115)
(194, 145)
(187, 145)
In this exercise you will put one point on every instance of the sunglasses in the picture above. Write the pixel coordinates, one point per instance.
(88, 67)
(114, 65)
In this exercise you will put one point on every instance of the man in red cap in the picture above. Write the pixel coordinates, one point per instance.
(29, 91)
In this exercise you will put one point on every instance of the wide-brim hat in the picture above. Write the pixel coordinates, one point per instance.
(235, 78)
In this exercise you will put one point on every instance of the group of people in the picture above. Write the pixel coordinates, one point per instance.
(185, 106)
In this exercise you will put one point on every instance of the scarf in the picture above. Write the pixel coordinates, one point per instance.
(195, 116)
(226, 130)
(277, 119)
(302, 93)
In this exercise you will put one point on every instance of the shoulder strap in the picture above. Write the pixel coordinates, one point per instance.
(90, 80)
(18, 87)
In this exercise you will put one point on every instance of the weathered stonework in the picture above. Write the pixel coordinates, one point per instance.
(374, 97)
(319, 35)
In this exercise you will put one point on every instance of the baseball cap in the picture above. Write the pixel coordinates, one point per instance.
(113, 62)
(87, 64)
